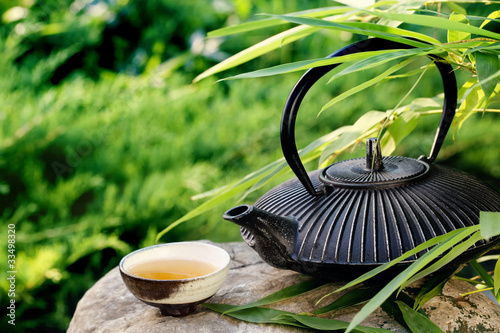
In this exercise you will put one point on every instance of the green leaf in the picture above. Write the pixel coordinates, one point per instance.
(381, 59)
(367, 84)
(402, 7)
(398, 130)
(453, 253)
(490, 224)
(487, 279)
(492, 17)
(367, 29)
(357, 3)
(305, 64)
(350, 133)
(394, 31)
(392, 309)
(456, 8)
(454, 36)
(259, 49)
(426, 104)
(224, 194)
(432, 287)
(353, 297)
(474, 97)
(283, 294)
(487, 47)
(324, 324)
(435, 22)
(417, 322)
(308, 153)
(261, 315)
(256, 315)
(460, 233)
(451, 240)
(486, 66)
(270, 22)
(496, 278)
(266, 23)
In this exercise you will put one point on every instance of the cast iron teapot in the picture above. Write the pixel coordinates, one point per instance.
(357, 214)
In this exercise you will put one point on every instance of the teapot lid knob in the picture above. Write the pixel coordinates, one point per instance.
(374, 160)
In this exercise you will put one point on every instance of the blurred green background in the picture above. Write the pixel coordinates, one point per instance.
(104, 139)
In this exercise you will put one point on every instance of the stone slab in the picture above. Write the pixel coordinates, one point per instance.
(109, 307)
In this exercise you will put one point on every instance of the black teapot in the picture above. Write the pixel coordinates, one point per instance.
(357, 214)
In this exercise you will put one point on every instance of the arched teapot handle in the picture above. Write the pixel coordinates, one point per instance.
(311, 76)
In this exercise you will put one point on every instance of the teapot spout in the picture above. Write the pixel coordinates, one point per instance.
(274, 236)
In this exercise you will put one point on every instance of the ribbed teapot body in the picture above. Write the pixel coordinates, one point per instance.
(365, 226)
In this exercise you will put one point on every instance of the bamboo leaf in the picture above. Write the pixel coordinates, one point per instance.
(266, 23)
(454, 36)
(380, 59)
(493, 16)
(487, 47)
(496, 278)
(435, 22)
(407, 74)
(417, 322)
(394, 31)
(426, 104)
(367, 84)
(350, 133)
(270, 22)
(474, 96)
(404, 276)
(490, 224)
(225, 193)
(456, 8)
(311, 151)
(353, 297)
(256, 315)
(401, 101)
(305, 64)
(460, 233)
(392, 309)
(398, 130)
(262, 181)
(445, 259)
(402, 7)
(465, 89)
(433, 287)
(367, 29)
(357, 3)
(261, 315)
(487, 279)
(324, 324)
(486, 66)
(283, 294)
(259, 49)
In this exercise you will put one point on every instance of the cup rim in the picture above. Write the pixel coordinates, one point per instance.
(221, 268)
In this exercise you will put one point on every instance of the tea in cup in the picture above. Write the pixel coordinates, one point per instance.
(175, 277)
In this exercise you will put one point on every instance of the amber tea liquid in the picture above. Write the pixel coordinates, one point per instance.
(172, 269)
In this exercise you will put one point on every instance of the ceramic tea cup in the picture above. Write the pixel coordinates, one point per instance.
(175, 277)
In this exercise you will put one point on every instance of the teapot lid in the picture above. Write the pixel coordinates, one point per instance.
(374, 170)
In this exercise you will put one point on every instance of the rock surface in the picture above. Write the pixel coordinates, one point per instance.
(109, 307)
